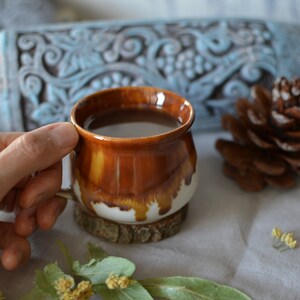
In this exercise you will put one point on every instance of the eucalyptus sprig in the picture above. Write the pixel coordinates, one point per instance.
(111, 278)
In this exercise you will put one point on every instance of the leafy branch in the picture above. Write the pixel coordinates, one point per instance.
(111, 278)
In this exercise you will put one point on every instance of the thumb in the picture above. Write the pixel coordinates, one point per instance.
(35, 151)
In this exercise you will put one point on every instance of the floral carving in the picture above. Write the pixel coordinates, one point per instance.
(211, 63)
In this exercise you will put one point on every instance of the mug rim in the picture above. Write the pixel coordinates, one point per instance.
(170, 134)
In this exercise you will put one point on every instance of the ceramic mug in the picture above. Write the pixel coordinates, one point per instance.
(133, 184)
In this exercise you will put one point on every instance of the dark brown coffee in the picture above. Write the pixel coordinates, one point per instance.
(130, 123)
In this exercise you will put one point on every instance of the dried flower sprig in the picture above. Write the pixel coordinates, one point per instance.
(118, 282)
(66, 289)
(111, 278)
(283, 241)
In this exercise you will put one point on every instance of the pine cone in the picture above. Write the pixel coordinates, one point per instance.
(266, 133)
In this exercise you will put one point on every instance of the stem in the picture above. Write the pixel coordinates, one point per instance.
(66, 253)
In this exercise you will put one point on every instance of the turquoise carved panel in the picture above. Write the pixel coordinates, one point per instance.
(212, 63)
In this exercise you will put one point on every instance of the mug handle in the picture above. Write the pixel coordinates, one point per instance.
(67, 193)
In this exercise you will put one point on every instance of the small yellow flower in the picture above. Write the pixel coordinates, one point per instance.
(283, 241)
(124, 282)
(112, 281)
(83, 291)
(115, 282)
(276, 232)
(64, 284)
(66, 296)
(292, 244)
(290, 241)
(288, 236)
(66, 289)
(283, 237)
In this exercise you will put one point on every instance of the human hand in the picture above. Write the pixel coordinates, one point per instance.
(32, 198)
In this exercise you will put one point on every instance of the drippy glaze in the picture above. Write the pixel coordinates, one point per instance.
(134, 175)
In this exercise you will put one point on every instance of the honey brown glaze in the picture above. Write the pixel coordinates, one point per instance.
(134, 173)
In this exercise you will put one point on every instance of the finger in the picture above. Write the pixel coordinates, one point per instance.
(43, 186)
(9, 201)
(15, 249)
(34, 151)
(49, 211)
(7, 138)
(25, 222)
(22, 182)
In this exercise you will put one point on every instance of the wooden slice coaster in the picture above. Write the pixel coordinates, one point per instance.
(128, 233)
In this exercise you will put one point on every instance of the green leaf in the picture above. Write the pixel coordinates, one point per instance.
(44, 283)
(52, 273)
(44, 280)
(35, 294)
(66, 253)
(96, 252)
(190, 288)
(98, 271)
(134, 292)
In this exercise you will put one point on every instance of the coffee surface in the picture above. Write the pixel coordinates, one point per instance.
(130, 123)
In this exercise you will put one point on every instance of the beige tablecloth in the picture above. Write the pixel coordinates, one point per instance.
(226, 238)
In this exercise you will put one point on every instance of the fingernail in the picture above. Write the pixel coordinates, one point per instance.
(64, 135)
